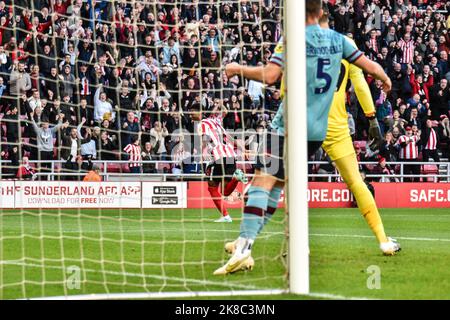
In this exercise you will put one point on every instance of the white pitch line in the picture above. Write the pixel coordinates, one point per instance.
(194, 294)
(138, 275)
(349, 215)
(187, 230)
(336, 297)
(363, 236)
(166, 295)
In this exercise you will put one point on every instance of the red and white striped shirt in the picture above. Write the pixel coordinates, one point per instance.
(407, 49)
(219, 146)
(410, 151)
(374, 44)
(85, 87)
(432, 141)
(134, 152)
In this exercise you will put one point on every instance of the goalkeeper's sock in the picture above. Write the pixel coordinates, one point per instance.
(368, 209)
(217, 198)
(272, 206)
(230, 186)
(348, 168)
(373, 219)
(254, 210)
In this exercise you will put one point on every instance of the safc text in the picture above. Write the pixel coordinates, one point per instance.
(430, 195)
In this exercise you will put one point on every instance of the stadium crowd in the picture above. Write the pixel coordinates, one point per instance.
(114, 80)
(410, 40)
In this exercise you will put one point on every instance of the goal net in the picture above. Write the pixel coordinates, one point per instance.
(104, 178)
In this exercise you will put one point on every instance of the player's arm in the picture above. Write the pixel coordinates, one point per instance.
(375, 70)
(356, 57)
(362, 90)
(364, 96)
(268, 74)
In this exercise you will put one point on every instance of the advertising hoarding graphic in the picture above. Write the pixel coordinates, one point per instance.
(164, 195)
(61, 194)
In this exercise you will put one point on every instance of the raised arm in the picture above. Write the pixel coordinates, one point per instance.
(33, 123)
(82, 122)
(97, 95)
(362, 90)
(375, 70)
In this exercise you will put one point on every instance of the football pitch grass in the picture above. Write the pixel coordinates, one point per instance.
(120, 251)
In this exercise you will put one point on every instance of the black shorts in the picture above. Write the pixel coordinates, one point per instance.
(221, 169)
(270, 154)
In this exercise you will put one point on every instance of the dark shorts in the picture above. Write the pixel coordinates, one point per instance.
(221, 170)
(270, 155)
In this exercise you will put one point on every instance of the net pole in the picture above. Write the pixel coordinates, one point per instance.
(297, 204)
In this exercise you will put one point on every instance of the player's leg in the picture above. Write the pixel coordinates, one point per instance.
(252, 222)
(270, 170)
(257, 205)
(215, 175)
(272, 205)
(342, 153)
(277, 151)
(232, 177)
(348, 168)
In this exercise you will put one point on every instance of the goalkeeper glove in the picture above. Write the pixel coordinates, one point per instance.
(375, 132)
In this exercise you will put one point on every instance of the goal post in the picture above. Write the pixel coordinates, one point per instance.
(297, 205)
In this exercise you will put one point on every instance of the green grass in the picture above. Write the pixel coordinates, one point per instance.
(174, 250)
(127, 251)
(340, 254)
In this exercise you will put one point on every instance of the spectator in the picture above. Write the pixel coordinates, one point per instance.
(103, 110)
(444, 136)
(71, 147)
(384, 169)
(80, 167)
(130, 128)
(341, 20)
(93, 175)
(19, 81)
(388, 149)
(88, 147)
(133, 150)
(106, 147)
(439, 99)
(44, 135)
(26, 171)
(158, 138)
(11, 122)
(430, 141)
(409, 152)
(147, 155)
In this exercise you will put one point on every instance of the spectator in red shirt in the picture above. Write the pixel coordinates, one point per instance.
(60, 7)
(26, 171)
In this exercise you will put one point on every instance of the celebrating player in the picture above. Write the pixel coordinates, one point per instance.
(338, 145)
(220, 152)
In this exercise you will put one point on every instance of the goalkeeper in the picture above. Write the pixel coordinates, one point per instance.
(339, 146)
